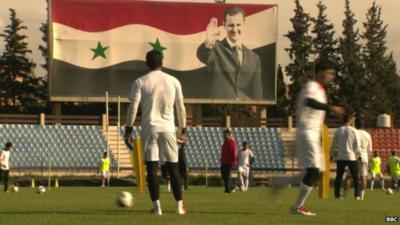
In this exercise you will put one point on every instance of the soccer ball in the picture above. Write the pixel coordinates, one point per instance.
(124, 199)
(389, 191)
(40, 190)
(14, 189)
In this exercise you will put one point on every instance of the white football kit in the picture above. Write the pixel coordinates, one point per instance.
(309, 122)
(244, 168)
(158, 93)
(244, 160)
(365, 150)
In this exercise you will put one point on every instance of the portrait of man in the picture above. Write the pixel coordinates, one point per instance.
(235, 70)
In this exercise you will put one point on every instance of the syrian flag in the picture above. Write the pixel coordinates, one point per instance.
(100, 45)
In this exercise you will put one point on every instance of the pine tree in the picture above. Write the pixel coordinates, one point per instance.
(325, 44)
(42, 82)
(299, 70)
(351, 79)
(392, 87)
(380, 68)
(16, 75)
(44, 47)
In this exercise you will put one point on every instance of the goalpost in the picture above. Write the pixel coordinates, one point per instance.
(323, 186)
(137, 165)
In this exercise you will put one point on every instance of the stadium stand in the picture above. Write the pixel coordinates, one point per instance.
(384, 141)
(204, 146)
(81, 146)
(68, 146)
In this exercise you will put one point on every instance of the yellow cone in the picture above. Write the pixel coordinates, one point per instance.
(33, 183)
(56, 183)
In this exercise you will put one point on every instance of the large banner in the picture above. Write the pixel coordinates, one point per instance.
(221, 53)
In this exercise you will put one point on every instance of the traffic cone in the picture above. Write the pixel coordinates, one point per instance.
(33, 183)
(56, 183)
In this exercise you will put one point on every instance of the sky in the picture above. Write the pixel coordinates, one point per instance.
(33, 13)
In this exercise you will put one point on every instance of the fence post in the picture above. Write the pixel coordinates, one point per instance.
(42, 119)
(262, 115)
(57, 111)
(228, 122)
(290, 123)
(104, 122)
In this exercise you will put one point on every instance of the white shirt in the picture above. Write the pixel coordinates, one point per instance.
(4, 160)
(158, 93)
(365, 145)
(308, 119)
(244, 157)
(346, 144)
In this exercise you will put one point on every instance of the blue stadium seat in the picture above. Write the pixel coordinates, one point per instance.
(67, 145)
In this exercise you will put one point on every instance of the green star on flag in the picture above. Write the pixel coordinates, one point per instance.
(99, 51)
(157, 46)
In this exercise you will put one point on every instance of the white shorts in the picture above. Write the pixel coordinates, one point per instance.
(308, 149)
(245, 170)
(363, 169)
(105, 173)
(160, 147)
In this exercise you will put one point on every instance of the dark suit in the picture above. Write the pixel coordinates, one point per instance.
(230, 80)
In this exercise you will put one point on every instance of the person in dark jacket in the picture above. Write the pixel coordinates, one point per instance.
(234, 68)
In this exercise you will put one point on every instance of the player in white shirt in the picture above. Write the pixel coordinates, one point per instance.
(310, 115)
(345, 149)
(245, 158)
(365, 150)
(5, 164)
(159, 93)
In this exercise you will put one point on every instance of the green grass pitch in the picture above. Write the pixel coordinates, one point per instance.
(96, 206)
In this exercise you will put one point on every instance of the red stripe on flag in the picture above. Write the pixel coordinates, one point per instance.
(178, 18)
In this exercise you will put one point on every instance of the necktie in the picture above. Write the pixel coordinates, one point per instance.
(236, 51)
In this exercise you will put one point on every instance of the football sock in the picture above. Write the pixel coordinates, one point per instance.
(179, 204)
(157, 207)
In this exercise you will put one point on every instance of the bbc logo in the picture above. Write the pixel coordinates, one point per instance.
(392, 219)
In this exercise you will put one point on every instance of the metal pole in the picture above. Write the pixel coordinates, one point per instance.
(49, 177)
(107, 123)
(206, 172)
(118, 133)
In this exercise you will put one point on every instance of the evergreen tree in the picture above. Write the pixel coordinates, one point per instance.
(44, 47)
(325, 44)
(42, 91)
(351, 78)
(299, 70)
(380, 68)
(18, 85)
